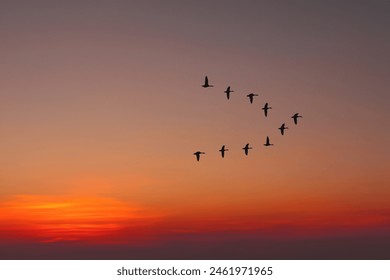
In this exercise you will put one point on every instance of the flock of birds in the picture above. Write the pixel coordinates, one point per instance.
(266, 107)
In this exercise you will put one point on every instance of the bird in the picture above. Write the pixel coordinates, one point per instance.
(246, 149)
(206, 83)
(267, 143)
(265, 108)
(282, 128)
(197, 154)
(228, 91)
(223, 150)
(251, 97)
(295, 117)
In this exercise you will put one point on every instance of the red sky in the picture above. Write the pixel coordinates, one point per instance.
(101, 108)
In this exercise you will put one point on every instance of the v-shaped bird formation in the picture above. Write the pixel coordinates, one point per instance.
(266, 109)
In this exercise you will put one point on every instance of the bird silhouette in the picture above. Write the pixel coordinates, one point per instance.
(197, 154)
(295, 117)
(251, 95)
(206, 83)
(267, 143)
(228, 91)
(282, 128)
(266, 108)
(223, 150)
(246, 149)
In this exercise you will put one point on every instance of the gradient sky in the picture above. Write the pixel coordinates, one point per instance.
(101, 108)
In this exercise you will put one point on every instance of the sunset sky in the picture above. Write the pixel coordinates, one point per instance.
(101, 110)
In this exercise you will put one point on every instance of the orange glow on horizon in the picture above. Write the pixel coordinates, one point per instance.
(103, 220)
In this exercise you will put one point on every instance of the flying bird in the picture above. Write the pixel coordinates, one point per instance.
(197, 154)
(267, 143)
(228, 91)
(266, 108)
(251, 95)
(295, 117)
(282, 128)
(246, 149)
(206, 83)
(223, 150)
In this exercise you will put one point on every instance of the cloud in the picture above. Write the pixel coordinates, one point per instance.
(69, 218)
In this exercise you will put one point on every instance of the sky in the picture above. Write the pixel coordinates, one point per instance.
(101, 110)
